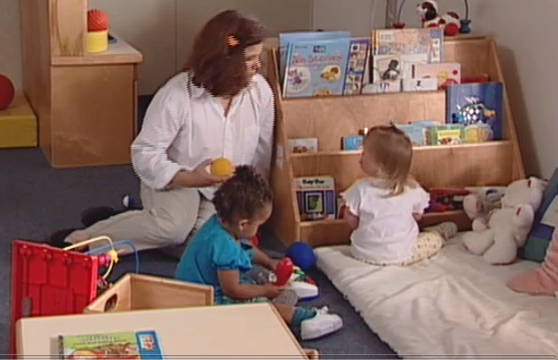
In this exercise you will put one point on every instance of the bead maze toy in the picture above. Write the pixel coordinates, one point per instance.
(47, 281)
(303, 285)
(298, 281)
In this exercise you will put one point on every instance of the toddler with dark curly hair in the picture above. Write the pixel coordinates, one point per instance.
(220, 254)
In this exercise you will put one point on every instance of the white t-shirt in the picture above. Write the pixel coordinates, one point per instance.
(184, 125)
(386, 230)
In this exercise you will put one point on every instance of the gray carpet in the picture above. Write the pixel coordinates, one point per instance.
(36, 200)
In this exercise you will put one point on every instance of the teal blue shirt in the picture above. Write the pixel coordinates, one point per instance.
(213, 249)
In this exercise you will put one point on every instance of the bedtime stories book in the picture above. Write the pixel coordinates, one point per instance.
(479, 108)
(316, 68)
(285, 39)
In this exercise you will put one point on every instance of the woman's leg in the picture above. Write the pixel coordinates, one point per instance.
(167, 219)
(206, 210)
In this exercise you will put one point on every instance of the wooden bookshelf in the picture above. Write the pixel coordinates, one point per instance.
(329, 118)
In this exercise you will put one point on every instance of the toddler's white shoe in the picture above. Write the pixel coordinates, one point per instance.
(320, 325)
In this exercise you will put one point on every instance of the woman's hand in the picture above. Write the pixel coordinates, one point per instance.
(199, 177)
(203, 178)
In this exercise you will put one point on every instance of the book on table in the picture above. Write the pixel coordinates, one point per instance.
(143, 344)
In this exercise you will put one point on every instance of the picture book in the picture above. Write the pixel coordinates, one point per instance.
(479, 108)
(316, 197)
(285, 39)
(416, 131)
(445, 73)
(119, 345)
(352, 142)
(447, 134)
(356, 65)
(395, 51)
(421, 41)
(316, 68)
(304, 145)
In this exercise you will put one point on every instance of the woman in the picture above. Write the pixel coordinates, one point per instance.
(219, 106)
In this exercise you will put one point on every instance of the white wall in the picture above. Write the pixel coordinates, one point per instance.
(356, 16)
(529, 56)
(10, 45)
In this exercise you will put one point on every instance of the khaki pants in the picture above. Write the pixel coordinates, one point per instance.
(168, 218)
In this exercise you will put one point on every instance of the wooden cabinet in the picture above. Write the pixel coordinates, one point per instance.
(85, 103)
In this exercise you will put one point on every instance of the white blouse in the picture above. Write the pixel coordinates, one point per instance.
(184, 125)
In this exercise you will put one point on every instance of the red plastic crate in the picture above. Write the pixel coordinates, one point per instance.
(46, 281)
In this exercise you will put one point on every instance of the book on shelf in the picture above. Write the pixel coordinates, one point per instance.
(316, 68)
(446, 74)
(357, 62)
(478, 107)
(304, 145)
(285, 40)
(447, 134)
(395, 51)
(115, 345)
(416, 131)
(316, 197)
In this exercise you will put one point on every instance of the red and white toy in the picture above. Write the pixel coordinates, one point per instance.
(431, 18)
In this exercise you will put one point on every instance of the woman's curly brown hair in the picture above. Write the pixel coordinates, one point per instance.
(243, 196)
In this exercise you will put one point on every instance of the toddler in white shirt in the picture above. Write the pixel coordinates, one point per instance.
(384, 208)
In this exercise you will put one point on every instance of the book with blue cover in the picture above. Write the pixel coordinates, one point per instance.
(285, 39)
(479, 108)
(316, 68)
(357, 61)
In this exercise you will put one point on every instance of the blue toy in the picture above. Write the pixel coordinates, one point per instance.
(302, 255)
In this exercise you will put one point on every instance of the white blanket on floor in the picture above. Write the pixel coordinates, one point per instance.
(453, 304)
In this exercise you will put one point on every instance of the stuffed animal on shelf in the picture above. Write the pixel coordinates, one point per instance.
(498, 234)
(430, 16)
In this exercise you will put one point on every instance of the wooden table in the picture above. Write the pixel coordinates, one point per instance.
(243, 330)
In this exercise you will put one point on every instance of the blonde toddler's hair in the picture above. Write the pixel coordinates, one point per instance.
(393, 153)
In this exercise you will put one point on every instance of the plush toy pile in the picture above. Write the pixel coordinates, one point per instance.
(501, 226)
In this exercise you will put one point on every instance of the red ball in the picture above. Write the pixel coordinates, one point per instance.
(451, 30)
(7, 92)
(96, 21)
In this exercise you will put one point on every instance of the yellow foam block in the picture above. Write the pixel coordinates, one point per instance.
(18, 124)
(97, 41)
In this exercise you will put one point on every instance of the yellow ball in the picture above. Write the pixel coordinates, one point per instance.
(221, 167)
